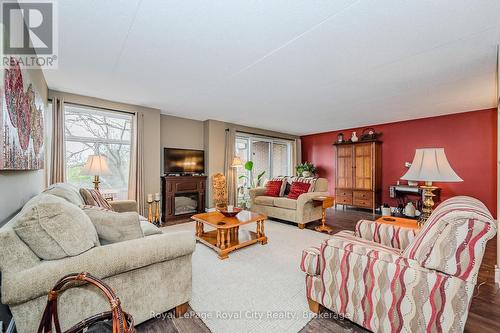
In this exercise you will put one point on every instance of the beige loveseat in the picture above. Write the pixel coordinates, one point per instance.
(151, 274)
(300, 211)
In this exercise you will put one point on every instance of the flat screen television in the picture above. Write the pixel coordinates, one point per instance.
(183, 161)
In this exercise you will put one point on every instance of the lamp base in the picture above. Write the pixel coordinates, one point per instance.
(96, 182)
(427, 204)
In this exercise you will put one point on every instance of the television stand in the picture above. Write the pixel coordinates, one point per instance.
(182, 196)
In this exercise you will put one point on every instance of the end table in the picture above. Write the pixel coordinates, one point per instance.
(325, 202)
(399, 222)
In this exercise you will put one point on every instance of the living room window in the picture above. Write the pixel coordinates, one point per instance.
(269, 155)
(93, 131)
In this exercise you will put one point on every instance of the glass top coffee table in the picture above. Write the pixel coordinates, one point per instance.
(227, 236)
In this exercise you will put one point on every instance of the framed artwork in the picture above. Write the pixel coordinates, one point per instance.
(21, 121)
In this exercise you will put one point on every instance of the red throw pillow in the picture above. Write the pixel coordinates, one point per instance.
(273, 188)
(297, 189)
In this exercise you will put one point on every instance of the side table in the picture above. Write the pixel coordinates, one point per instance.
(325, 202)
(399, 221)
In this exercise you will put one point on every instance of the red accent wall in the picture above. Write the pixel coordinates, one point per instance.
(469, 141)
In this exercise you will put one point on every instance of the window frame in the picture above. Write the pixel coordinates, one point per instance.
(251, 138)
(103, 112)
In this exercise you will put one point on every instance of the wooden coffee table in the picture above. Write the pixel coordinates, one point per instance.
(227, 235)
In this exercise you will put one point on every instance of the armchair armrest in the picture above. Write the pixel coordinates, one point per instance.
(309, 263)
(122, 206)
(255, 192)
(306, 197)
(390, 235)
(101, 261)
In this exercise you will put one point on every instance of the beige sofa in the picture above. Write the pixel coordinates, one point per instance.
(150, 275)
(300, 211)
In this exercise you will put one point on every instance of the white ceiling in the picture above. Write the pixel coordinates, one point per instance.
(292, 66)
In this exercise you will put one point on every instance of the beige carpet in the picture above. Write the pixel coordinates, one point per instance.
(259, 289)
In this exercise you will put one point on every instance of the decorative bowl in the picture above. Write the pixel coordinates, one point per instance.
(235, 211)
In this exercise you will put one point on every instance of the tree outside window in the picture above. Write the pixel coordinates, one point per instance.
(90, 131)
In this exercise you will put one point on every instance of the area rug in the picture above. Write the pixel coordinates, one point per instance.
(259, 288)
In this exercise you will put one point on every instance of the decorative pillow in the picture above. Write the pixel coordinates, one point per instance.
(297, 189)
(273, 188)
(283, 180)
(309, 180)
(113, 227)
(54, 228)
(65, 191)
(149, 229)
(288, 187)
(93, 197)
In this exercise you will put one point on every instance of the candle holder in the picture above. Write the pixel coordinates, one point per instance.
(157, 212)
(150, 211)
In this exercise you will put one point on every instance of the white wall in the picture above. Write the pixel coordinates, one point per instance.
(182, 133)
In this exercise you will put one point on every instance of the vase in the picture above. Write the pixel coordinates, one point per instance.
(354, 137)
(306, 174)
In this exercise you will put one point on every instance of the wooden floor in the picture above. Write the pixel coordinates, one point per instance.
(483, 314)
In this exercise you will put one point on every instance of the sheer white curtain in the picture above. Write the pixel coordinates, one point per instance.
(136, 175)
(57, 149)
(230, 172)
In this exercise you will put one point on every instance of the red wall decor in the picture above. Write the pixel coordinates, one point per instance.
(469, 141)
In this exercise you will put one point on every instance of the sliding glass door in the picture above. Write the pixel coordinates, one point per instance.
(271, 158)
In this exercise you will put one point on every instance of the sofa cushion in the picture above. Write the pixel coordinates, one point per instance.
(54, 228)
(285, 203)
(94, 197)
(66, 191)
(113, 227)
(284, 181)
(264, 200)
(102, 261)
(308, 180)
(273, 188)
(298, 188)
(149, 229)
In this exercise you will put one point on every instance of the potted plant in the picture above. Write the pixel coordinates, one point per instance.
(306, 169)
(243, 189)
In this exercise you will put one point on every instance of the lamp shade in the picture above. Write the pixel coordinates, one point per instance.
(236, 162)
(431, 165)
(97, 165)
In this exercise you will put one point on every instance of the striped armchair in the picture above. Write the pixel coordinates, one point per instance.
(395, 281)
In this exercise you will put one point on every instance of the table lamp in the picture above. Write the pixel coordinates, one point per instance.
(430, 165)
(97, 165)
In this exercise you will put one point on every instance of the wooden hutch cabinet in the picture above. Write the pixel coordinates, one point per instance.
(358, 174)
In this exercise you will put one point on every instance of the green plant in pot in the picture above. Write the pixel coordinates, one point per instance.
(306, 169)
(257, 180)
(243, 190)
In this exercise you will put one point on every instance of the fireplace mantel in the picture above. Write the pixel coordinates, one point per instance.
(172, 186)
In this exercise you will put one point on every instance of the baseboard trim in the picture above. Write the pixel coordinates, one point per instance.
(497, 275)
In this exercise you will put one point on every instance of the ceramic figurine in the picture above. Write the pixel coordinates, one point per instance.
(340, 138)
(410, 209)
